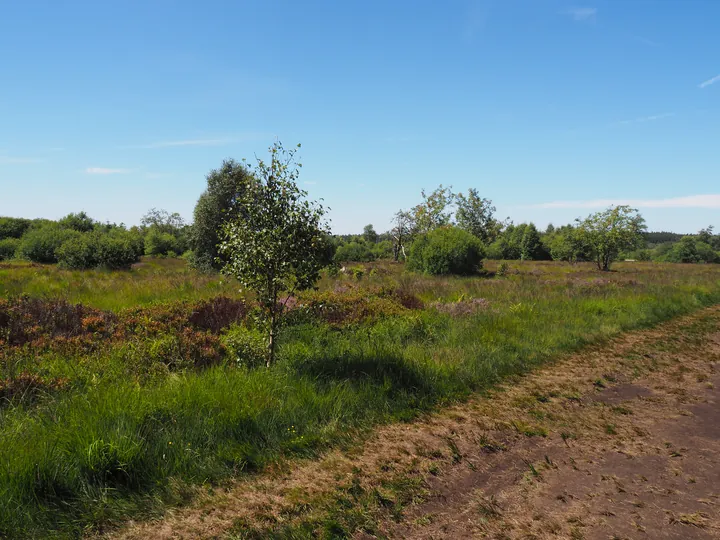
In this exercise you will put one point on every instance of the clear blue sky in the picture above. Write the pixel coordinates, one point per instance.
(550, 108)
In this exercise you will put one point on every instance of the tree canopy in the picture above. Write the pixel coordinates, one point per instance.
(611, 231)
(217, 204)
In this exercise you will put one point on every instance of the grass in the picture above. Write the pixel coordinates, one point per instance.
(149, 282)
(129, 432)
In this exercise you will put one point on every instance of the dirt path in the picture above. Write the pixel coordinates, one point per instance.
(621, 440)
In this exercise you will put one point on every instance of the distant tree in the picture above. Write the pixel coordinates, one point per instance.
(369, 234)
(613, 230)
(476, 215)
(661, 237)
(277, 243)
(402, 233)
(706, 235)
(80, 222)
(435, 210)
(163, 221)
(550, 229)
(530, 246)
(214, 208)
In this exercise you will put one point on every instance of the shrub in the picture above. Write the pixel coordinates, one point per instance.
(244, 346)
(79, 252)
(354, 251)
(13, 227)
(705, 253)
(447, 250)
(91, 250)
(40, 245)
(159, 243)
(383, 250)
(116, 251)
(8, 247)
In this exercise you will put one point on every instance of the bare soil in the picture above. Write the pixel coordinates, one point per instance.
(620, 440)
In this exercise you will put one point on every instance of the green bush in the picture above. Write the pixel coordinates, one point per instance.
(355, 252)
(383, 250)
(80, 222)
(91, 250)
(79, 252)
(688, 250)
(159, 243)
(40, 245)
(447, 250)
(13, 227)
(8, 247)
(116, 251)
(245, 347)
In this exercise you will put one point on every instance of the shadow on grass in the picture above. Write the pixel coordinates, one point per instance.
(391, 372)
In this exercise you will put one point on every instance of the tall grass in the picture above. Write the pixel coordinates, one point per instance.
(115, 446)
(148, 282)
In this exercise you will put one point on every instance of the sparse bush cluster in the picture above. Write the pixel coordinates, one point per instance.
(79, 242)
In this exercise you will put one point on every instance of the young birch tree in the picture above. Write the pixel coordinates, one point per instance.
(277, 243)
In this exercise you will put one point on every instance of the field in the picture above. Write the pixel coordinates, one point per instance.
(124, 393)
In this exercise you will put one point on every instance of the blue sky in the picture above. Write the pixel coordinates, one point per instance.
(552, 109)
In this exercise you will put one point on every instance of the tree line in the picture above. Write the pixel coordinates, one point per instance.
(77, 241)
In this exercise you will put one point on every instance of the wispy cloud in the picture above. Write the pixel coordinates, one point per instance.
(691, 201)
(214, 141)
(646, 119)
(188, 142)
(709, 82)
(10, 160)
(104, 170)
(581, 13)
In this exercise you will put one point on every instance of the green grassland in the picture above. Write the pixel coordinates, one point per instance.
(124, 404)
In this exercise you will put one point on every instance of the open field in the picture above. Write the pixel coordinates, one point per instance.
(150, 281)
(140, 399)
(619, 440)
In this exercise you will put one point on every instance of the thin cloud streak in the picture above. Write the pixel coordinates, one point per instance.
(646, 119)
(104, 170)
(191, 142)
(581, 13)
(9, 160)
(218, 141)
(709, 82)
(691, 201)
